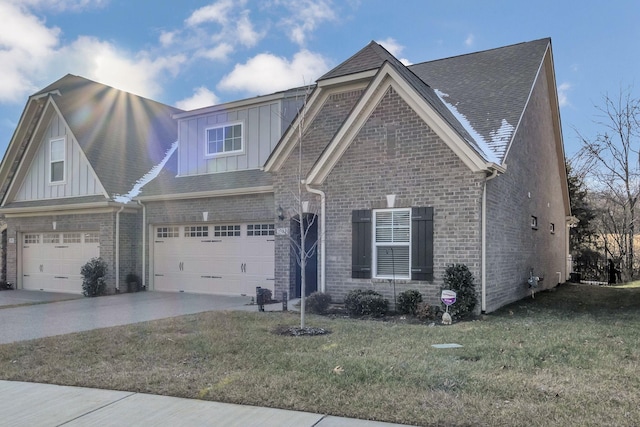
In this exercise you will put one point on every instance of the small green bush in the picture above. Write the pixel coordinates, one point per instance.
(458, 278)
(366, 302)
(408, 302)
(317, 303)
(425, 311)
(93, 272)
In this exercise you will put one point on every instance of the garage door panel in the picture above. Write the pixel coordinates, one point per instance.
(218, 259)
(52, 261)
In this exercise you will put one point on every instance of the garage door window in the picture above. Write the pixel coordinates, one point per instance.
(260, 230)
(92, 238)
(226, 230)
(50, 238)
(196, 231)
(167, 232)
(31, 239)
(71, 238)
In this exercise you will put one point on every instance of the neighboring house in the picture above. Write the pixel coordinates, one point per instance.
(409, 169)
(414, 168)
(79, 146)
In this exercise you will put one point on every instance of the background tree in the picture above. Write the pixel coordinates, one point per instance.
(610, 160)
(584, 241)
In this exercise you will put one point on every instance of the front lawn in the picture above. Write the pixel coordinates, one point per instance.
(568, 357)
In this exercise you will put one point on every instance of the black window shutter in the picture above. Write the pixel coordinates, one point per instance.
(422, 244)
(361, 244)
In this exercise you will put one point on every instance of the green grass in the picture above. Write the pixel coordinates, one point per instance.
(569, 357)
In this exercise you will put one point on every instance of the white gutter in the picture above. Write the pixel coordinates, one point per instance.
(483, 297)
(323, 250)
(118, 249)
(144, 244)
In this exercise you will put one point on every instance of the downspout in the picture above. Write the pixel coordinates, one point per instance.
(484, 240)
(323, 250)
(118, 248)
(144, 244)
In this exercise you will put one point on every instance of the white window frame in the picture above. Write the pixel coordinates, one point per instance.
(63, 160)
(224, 128)
(376, 244)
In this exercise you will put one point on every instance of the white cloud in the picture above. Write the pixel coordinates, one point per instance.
(244, 29)
(305, 17)
(394, 49)
(219, 52)
(267, 73)
(216, 12)
(202, 97)
(26, 44)
(469, 40)
(563, 97)
(167, 38)
(103, 62)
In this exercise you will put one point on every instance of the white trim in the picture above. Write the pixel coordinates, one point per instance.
(223, 153)
(350, 78)
(205, 194)
(314, 104)
(78, 208)
(389, 78)
(64, 160)
(375, 245)
(236, 104)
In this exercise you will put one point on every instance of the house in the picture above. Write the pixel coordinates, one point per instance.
(407, 168)
(459, 160)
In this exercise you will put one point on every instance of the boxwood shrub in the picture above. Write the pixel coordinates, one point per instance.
(366, 302)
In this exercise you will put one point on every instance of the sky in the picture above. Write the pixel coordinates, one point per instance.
(196, 53)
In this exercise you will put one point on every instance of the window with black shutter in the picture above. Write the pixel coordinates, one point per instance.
(422, 243)
(361, 244)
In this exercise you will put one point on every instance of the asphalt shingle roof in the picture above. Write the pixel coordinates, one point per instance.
(167, 183)
(123, 135)
(481, 95)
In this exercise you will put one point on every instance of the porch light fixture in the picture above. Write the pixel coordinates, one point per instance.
(305, 206)
(205, 216)
(280, 213)
(54, 224)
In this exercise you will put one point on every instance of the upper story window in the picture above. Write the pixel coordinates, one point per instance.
(224, 139)
(57, 150)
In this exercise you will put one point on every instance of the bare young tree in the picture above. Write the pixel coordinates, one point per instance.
(613, 169)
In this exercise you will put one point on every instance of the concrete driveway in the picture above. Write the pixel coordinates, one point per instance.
(64, 313)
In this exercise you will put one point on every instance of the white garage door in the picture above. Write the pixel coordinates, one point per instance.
(52, 261)
(214, 259)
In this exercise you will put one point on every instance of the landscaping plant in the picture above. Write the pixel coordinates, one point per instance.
(318, 302)
(458, 278)
(408, 302)
(366, 302)
(93, 273)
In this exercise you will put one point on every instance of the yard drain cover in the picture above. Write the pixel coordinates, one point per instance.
(446, 345)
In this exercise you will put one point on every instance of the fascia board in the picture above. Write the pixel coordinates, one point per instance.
(314, 105)
(231, 105)
(388, 77)
(31, 149)
(27, 154)
(207, 194)
(350, 78)
(76, 208)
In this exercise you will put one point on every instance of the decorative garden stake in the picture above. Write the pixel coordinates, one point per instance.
(448, 298)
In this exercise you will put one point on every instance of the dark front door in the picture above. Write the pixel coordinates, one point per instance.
(311, 244)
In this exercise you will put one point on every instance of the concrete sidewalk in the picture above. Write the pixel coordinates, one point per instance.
(31, 404)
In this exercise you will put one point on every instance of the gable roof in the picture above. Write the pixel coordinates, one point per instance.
(122, 135)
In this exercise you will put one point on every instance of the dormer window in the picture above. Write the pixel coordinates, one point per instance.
(57, 150)
(224, 139)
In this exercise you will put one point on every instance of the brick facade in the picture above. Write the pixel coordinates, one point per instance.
(417, 167)
(531, 186)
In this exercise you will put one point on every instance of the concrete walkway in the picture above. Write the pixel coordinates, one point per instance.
(31, 404)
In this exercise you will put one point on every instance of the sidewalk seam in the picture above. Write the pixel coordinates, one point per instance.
(97, 409)
(320, 420)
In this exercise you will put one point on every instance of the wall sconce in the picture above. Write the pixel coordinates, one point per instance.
(280, 213)
(305, 206)
(205, 216)
(54, 224)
